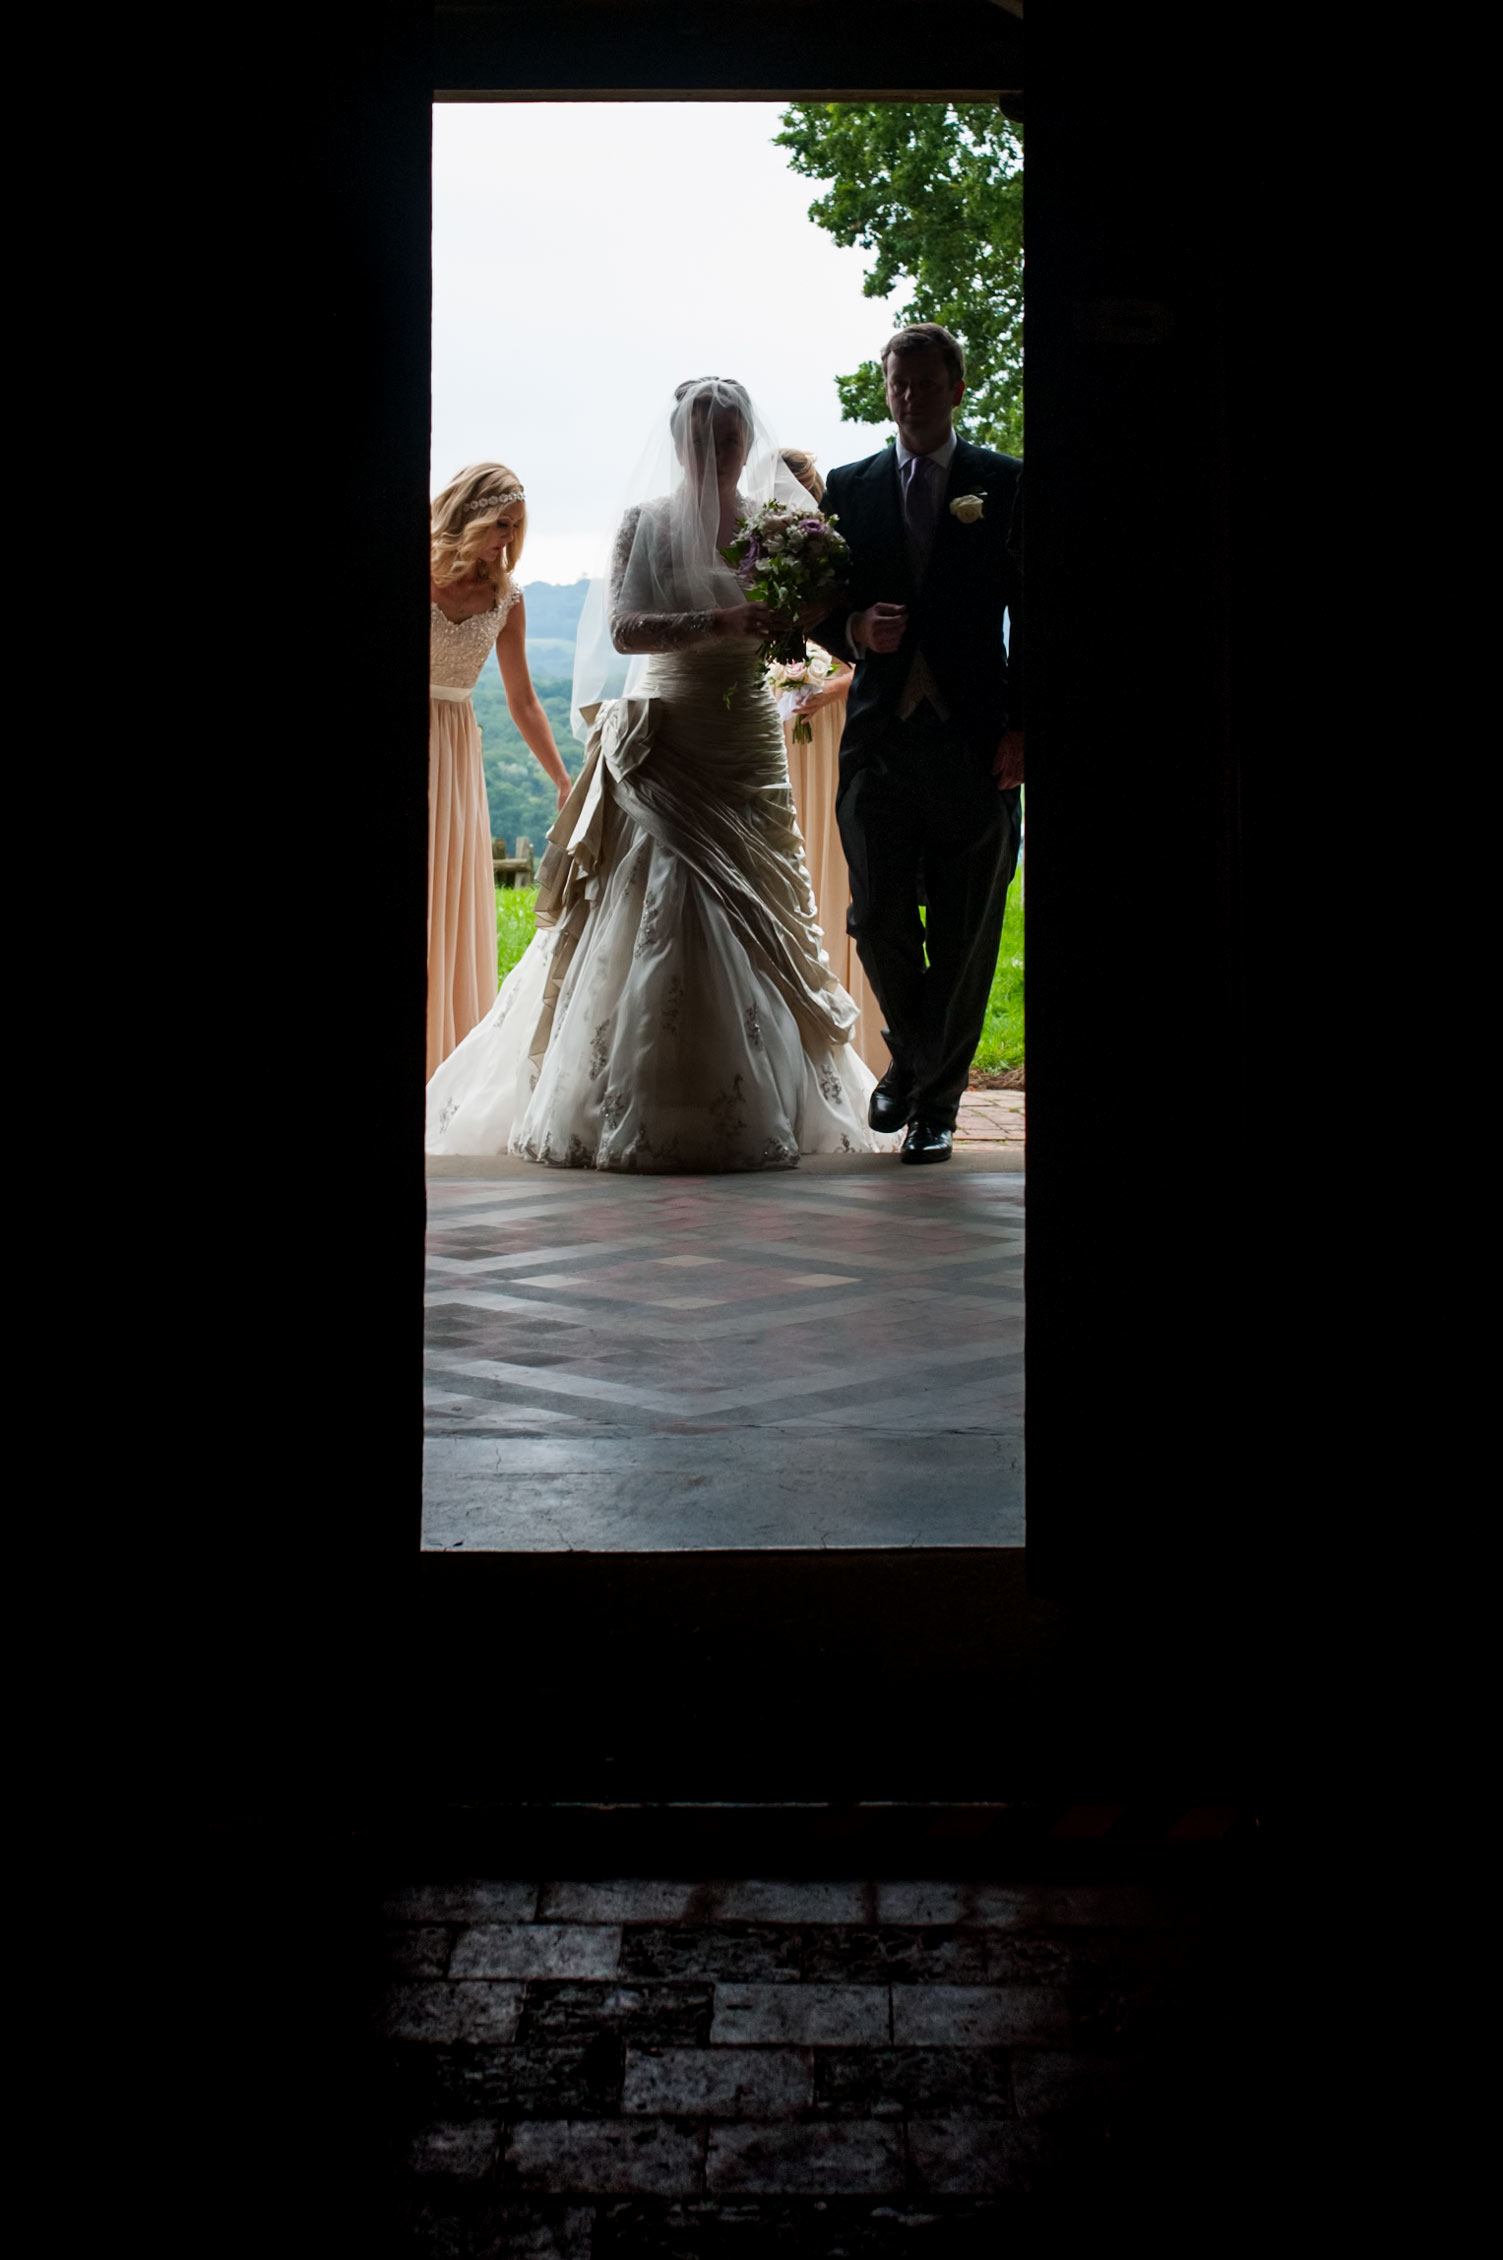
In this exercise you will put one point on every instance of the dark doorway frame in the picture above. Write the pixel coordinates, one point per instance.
(1129, 332)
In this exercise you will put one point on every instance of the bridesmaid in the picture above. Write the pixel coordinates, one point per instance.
(477, 527)
(813, 773)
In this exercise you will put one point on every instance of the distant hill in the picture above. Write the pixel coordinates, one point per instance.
(553, 608)
(550, 655)
(521, 798)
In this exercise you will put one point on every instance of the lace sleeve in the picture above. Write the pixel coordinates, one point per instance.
(648, 631)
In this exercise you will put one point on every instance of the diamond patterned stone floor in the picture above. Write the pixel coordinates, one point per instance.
(797, 1359)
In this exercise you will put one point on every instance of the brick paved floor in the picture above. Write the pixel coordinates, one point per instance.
(991, 1118)
(607, 2071)
(824, 1357)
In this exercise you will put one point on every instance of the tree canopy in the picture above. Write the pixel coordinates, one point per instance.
(936, 190)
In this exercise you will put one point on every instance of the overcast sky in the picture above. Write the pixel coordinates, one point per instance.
(587, 257)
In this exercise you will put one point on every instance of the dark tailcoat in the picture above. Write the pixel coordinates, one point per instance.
(955, 617)
(918, 805)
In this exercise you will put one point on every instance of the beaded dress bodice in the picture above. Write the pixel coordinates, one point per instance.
(457, 649)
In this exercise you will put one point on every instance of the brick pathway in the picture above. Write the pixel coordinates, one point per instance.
(991, 1118)
(686, 2070)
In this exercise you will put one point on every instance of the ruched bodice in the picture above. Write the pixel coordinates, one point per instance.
(735, 742)
(458, 649)
(710, 662)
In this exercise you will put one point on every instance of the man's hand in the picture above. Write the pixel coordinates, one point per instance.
(881, 627)
(1007, 767)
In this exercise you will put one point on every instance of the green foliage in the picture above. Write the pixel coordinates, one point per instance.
(521, 799)
(936, 190)
(1001, 1040)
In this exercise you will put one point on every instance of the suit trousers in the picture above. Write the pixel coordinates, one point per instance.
(920, 806)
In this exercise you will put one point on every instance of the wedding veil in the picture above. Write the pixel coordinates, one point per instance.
(663, 554)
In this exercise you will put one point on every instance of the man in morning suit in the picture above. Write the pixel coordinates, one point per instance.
(932, 754)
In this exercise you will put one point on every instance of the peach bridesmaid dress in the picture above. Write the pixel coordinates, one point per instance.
(461, 873)
(813, 772)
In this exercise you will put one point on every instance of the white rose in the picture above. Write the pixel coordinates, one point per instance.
(968, 508)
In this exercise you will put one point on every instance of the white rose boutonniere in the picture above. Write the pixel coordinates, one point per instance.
(968, 508)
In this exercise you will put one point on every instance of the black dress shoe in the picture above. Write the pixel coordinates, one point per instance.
(927, 1141)
(887, 1108)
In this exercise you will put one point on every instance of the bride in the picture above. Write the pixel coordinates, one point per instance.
(676, 1009)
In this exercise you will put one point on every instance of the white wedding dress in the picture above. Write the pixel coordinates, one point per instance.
(676, 1009)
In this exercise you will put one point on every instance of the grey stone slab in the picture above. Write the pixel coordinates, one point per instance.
(435, 2011)
(966, 1161)
(1059, 1958)
(799, 2015)
(758, 1487)
(928, 2083)
(536, 1950)
(815, 2161)
(655, 2016)
(580, 2080)
(837, 1954)
(1115, 1906)
(570, 2156)
(626, 1901)
(746, 1953)
(774, 1901)
(473, 1417)
(717, 2083)
(444, 1230)
(973, 2157)
(897, 1262)
(976, 2016)
(472, 1267)
(948, 1903)
(704, 1403)
(465, 2152)
(417, 1950)
(500, 2228)
(946, 1414)
(469, 1902)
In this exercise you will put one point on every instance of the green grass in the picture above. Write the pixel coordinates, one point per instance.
(1001, 1042)
(514, 929)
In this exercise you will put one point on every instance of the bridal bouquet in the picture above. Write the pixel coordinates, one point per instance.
(787, 558)
(791, 681)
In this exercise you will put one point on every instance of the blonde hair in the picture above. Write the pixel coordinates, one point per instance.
(456, 540)
(801, 463)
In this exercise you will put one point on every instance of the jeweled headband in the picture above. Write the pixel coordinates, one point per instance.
(493, 501)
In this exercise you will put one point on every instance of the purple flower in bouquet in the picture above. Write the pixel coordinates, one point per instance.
(787, 559)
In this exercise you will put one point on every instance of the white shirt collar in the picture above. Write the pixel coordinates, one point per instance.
(940, 455)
